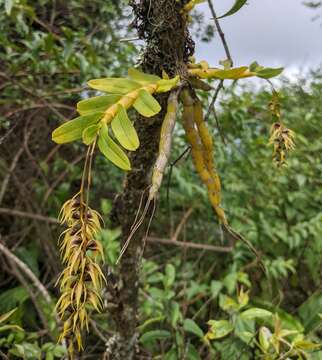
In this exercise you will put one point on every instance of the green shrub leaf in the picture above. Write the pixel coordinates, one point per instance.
(219, 329)
(154, 335)
(255, 313)
(191, 326)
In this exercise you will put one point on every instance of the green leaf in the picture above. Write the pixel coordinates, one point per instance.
(165, 85)
(237, 6)
(124, 130)
(142, 77)
(170, 274)
(254, 66)
(192, 353)
(97, 104)
(268, 73)
(6, 316)
(89, 134)
(12, 298)
(11, 328)
(114, 85)
(146, 104)
(153, 335)
(111, 150)
(219, 329)
(175, 313)
(73, 129)
(190, 325)
(255, 313)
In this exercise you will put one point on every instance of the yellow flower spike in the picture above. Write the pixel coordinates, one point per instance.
(282, 140)
(82, 278)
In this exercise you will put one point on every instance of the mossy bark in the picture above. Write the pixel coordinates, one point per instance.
(163, 26)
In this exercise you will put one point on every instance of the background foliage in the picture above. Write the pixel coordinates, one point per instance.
(48, 51)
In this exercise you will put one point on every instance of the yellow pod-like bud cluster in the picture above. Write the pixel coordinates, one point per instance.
(200, 140)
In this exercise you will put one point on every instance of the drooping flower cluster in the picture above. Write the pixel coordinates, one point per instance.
(282, 139)
(81, 280)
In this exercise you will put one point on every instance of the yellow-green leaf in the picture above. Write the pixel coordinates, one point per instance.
(219, 329)
(142, 77)
(111, 150)
(124, 130)
(97, 104)
(232, 74)
(72, 130)
(165, 85)
(6, 316)
(255, 313)
(11, 328)
(146, 104)
(114, 85)
(264, 336)
(90, 133)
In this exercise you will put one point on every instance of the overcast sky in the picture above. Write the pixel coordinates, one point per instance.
(272, 32)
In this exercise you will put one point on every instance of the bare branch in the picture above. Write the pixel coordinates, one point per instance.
(13, 212)
(223, 249)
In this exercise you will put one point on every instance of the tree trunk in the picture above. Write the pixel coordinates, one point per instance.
(163, 26)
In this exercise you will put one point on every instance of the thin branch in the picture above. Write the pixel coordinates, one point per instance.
(228, 55)
(181, 224)
(191, 245)
(220, 32)
(13, 212)
(214, 98)
(10, 171)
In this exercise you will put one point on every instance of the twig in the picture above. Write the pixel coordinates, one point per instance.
(98, 332)
(214, 98)
(219, 127)
(4, 355)
(181, 224)
(191, 245)
(11, 169)
(228, 55)
(220, 32)
(13, 212)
